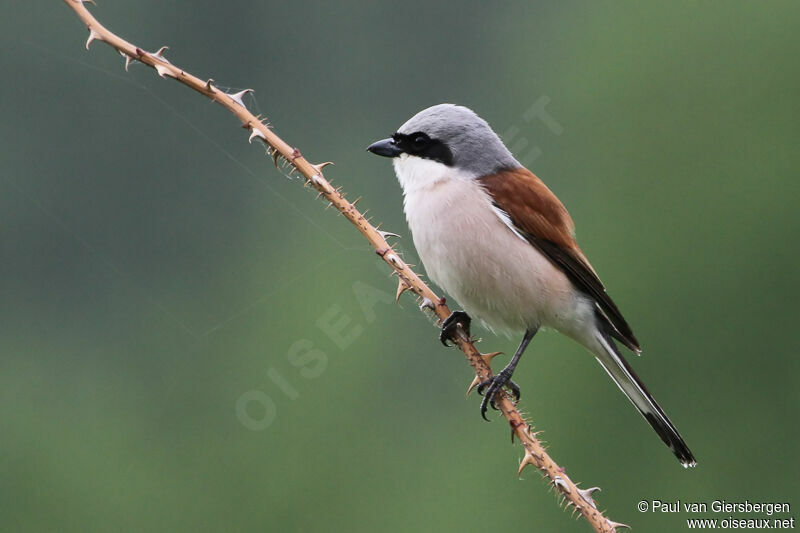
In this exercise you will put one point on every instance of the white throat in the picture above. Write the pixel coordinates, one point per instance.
(416, 173)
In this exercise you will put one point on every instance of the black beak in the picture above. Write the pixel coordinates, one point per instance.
(385, 148)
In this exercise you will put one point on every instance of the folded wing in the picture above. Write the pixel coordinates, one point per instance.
(533, 212)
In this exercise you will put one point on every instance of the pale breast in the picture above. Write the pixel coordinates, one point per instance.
(492, 273)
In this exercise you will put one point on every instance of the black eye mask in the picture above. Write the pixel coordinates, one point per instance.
(421, 145)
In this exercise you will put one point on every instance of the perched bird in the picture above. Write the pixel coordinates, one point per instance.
(495, 238)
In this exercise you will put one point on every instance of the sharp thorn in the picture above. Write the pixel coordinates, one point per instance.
(487, 357)
(386, 234)
(160, 54)
(256, 133)
(92, 36)
(320, 183)
(586, 494)
(475, 382)
(533, 434)
(616, 525)
(163, 71)
(320, 166)
(527, 460)
(402, 287)
(427, 304)
(128, 60)
(559, 482)
(239, 97)
(210, 85)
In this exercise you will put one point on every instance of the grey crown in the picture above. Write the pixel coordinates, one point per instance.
(476, 148)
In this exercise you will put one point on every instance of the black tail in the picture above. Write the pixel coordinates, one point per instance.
(627, 380)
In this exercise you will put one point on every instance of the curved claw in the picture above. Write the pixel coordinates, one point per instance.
(483, 409)
(495, 384)
(450, 325)
(514, 390)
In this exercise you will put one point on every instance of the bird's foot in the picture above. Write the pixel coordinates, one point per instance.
(451, 323)
(495, 385)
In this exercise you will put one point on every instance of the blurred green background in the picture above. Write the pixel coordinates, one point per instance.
(164, 360)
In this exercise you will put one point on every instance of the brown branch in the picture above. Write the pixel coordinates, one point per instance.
(581, 500)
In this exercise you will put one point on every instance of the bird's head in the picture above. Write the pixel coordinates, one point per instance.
(444, 138)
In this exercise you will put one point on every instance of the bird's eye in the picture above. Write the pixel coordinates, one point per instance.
(420, 141)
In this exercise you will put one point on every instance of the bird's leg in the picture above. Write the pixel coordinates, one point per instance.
(451, 323)
(503, 379)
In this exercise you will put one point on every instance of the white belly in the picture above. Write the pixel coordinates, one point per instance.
(495, 275)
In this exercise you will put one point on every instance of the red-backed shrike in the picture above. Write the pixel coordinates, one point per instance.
(494, 237)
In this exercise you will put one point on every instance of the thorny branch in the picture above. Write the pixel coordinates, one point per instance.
(580, 499)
